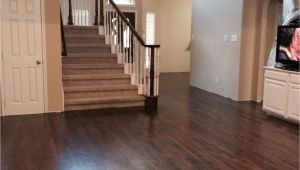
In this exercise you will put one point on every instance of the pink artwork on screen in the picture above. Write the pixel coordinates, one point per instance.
(290, 45)
(295, 45)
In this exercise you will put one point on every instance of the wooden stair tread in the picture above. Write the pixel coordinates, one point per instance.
(81, 27)
(88, 46)
(100, 88)
(104, 106)
(92, 66)
(103, 100)
(90, 55)
(84, 36)
(96, 76)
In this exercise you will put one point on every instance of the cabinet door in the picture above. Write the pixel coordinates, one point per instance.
(294, 102)
(275, 96)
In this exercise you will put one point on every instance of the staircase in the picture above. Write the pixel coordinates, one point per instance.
(92, 78)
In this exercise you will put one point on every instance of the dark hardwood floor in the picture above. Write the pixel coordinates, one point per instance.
(192, 129)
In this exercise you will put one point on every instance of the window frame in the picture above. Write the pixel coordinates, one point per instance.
(124, 5)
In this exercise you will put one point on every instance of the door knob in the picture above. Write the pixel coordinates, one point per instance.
(38, 62)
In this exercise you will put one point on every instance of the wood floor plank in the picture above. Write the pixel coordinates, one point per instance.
(192, 129)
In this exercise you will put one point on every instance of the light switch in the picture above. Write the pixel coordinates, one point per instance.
(234, 38)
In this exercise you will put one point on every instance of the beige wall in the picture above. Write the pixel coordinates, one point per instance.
(173, 32)
(260, 20)
(139, 10)
(53, 55)
(249, 58)
(273, 13)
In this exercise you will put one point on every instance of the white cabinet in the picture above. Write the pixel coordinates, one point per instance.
(282, 93)
(275, 96)
(294, 101)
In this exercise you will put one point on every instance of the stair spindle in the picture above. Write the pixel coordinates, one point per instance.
(96, 13)
(63, 39)
(70, 17)
(101, 12)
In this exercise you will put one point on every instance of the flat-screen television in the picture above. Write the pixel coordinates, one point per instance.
(288, 46)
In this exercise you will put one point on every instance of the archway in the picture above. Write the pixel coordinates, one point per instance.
(271, 16)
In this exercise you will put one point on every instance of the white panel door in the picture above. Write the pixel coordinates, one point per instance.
(22, 57)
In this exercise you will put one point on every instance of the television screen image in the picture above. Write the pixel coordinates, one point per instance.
(288, 45)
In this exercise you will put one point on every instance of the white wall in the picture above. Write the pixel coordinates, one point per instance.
(215, 63)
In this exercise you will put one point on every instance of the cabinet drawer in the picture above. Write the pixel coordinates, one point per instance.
(295, 79)
(275, 75)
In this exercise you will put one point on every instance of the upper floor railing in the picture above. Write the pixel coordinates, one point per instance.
(141, 60)
(82, 12)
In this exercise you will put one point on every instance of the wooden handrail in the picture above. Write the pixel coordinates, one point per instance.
(123, 17)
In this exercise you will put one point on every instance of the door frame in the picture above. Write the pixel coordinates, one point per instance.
(133, 10)
(44, 48)
(44, 62)
(1, 66)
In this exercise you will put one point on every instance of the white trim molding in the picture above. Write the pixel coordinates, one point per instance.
(2, 104)
(44, 46)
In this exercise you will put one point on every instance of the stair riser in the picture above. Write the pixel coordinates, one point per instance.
(103, 106)
(87, 60)
(81, 31)
(96, 82)
(85, 40)
(92, 71)
(82, 50)
(76, 95)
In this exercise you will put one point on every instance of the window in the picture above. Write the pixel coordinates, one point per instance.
(150, 33)
(81, 17)
(124, 2)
